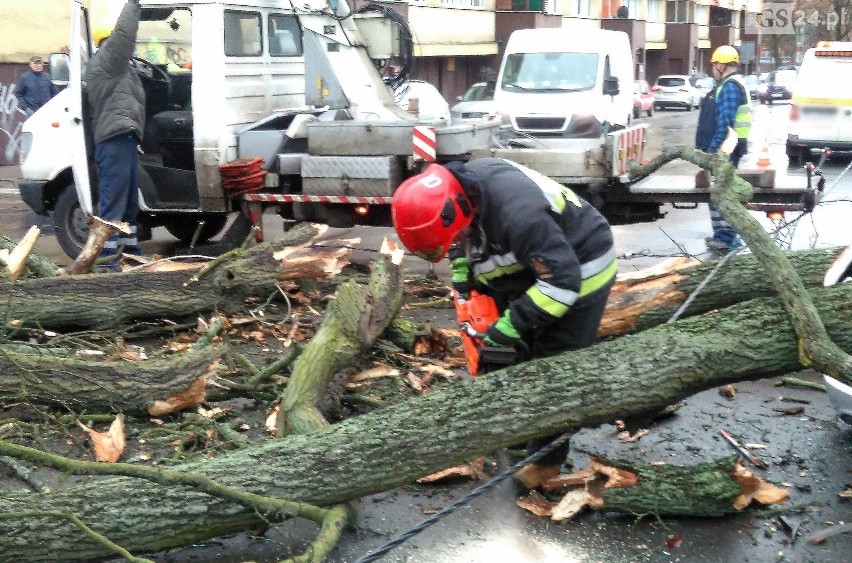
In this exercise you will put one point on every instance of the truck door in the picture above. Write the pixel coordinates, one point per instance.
(80, 53)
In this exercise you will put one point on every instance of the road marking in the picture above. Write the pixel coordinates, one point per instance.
(9, 191)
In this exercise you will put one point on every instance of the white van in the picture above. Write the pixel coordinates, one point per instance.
(821, 111)
(557, 83)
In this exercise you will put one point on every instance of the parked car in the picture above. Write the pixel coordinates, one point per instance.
(704, 85)
(476, 104)
(752, 82)
(675, 90)
(643, 99)
(778, 86)
(431, 104)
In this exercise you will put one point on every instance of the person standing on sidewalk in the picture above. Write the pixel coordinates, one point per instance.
(116, 102)
(728, 106)
(34, 88)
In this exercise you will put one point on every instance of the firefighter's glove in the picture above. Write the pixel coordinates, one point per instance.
(460, 272)
(502, 333)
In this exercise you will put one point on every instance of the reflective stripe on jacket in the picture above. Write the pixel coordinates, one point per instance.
(535, 241)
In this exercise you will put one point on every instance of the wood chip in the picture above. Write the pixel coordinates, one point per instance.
(108, 446)
(534, 502)
(755, 488)
(616, 477)
(375, 372)
(473, 469)
(728, 391)
(570, 505)
(575, 479)
(628, 437)
(271, 422)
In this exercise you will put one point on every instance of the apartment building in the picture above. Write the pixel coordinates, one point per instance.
(459, 42)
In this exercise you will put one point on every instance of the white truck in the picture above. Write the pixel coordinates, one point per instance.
(227, 82)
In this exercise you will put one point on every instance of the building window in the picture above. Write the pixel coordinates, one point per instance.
(584, 7)
(653, 14)
(243, 36)
(679, 11)
(285, 36)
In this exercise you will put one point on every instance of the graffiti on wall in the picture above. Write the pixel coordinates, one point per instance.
(11, 121)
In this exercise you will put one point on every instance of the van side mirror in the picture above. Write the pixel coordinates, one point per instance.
(610, 86)
(60, 65)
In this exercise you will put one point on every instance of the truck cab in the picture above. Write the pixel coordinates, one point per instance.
(242, 79)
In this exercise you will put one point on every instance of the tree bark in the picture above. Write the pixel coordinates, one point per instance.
(84, 385)
(396, 445)
(638, 302)
(113, 300)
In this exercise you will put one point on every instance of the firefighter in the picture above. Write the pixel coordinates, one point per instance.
(545, 255)
(727, 106)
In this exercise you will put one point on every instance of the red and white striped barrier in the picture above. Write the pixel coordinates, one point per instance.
(424, 143)
(341, 199)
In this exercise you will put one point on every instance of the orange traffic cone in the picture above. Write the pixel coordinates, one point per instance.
(763, 157)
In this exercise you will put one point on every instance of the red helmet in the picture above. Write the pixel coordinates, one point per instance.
(429, 210)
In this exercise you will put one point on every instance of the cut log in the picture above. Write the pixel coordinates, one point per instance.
(397, 445)
(650, 297)
(99, 231)
(355, 319)
(85, 385)
(38, 266)
(16, 259)
(710, 489)
(102, 301)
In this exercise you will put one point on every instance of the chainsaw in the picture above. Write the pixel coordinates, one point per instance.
(475, 314)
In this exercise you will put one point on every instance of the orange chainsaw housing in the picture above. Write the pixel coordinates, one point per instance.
(480, 312)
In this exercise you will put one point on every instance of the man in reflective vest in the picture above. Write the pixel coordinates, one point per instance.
(545, 255)
(727, 106)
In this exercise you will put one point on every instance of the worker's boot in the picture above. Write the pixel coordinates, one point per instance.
(532, 475)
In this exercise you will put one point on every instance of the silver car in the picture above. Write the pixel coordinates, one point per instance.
(477, 104)
(675, 90)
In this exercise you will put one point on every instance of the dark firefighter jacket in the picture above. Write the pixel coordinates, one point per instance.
(533, 240)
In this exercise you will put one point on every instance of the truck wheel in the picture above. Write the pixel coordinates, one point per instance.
(183, 228)
(69, 222)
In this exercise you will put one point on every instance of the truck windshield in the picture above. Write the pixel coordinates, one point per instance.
(558, 72)
(165, 38)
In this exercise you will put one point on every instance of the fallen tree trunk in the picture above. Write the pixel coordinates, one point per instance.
(714, 488)
(113, 300)
(86, 385)
(396, 445)
(646, 299)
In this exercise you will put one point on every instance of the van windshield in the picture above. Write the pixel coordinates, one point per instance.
(543, 72)
(165, 38)
(820, 72)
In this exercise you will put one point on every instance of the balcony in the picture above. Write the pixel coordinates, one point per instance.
(519, 5)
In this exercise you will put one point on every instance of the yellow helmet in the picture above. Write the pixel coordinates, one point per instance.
(100, 34)
(725, 54)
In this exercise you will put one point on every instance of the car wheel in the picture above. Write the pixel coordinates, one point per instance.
(650, 110)
(70, 223)
(689, 106)
(636, 112)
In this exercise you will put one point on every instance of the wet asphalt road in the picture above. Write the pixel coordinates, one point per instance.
(810, 453)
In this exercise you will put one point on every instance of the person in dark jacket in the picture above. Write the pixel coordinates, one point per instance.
(34, 87)
(544, 254)
(116, 102)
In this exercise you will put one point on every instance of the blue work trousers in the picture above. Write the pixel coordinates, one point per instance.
(722, 231)
(118, 189)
